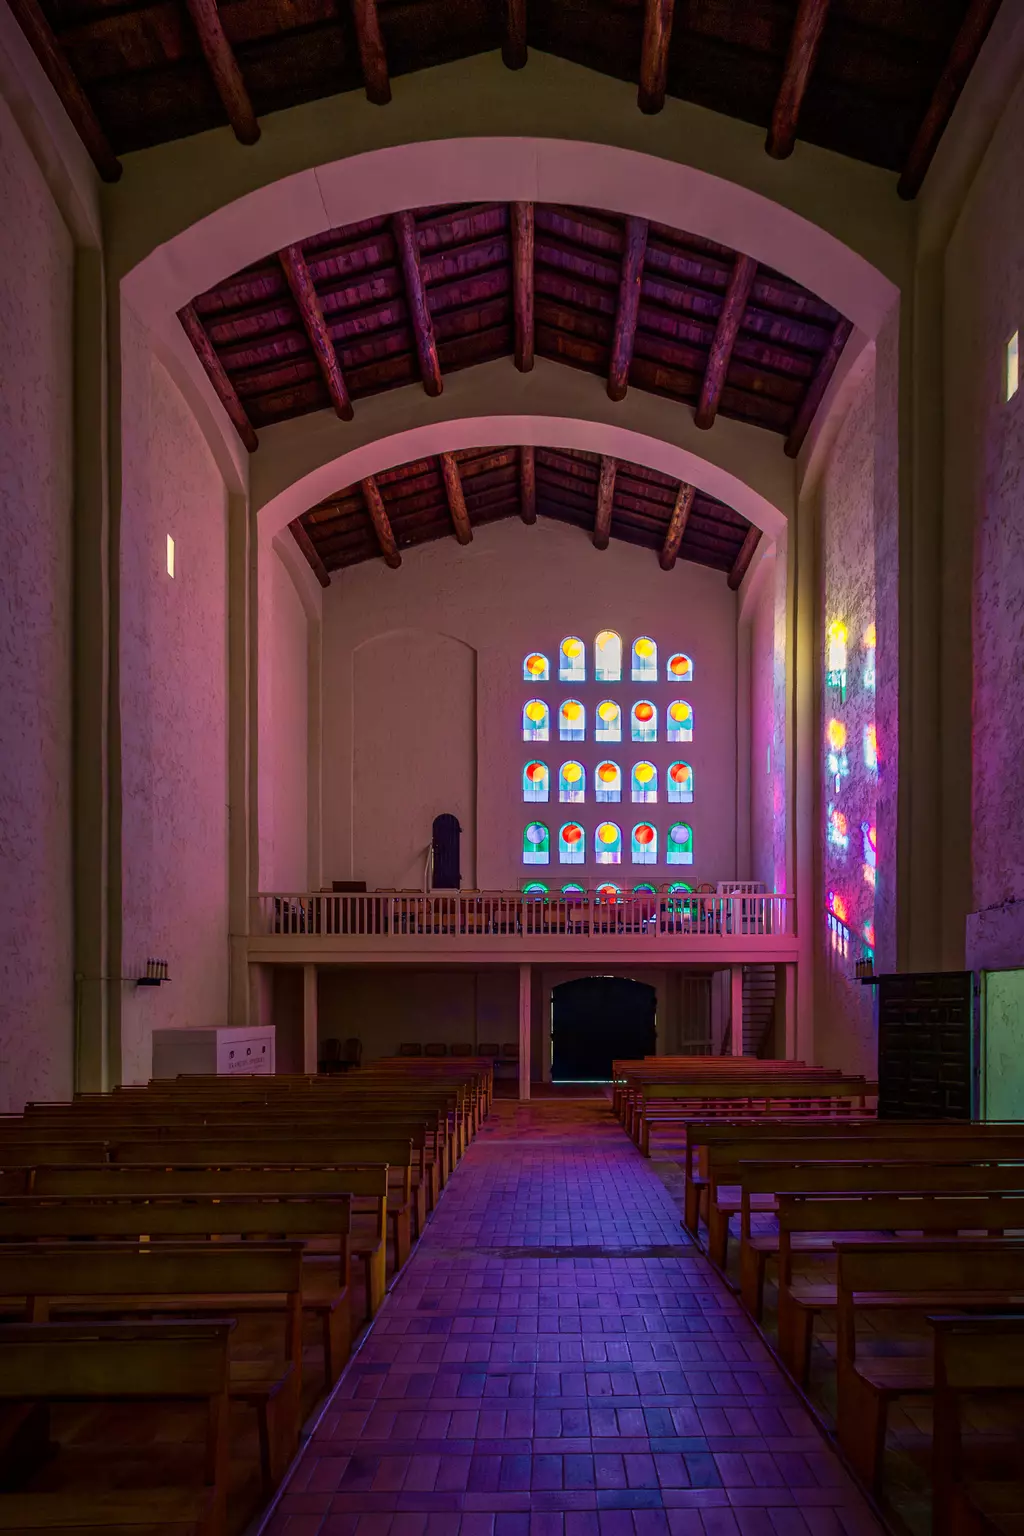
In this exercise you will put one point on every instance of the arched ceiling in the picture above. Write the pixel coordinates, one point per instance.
(362, 309)
(450, 494)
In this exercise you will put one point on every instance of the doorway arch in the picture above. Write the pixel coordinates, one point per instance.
(596, 1020)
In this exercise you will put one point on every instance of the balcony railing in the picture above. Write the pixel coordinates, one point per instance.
(392, 917)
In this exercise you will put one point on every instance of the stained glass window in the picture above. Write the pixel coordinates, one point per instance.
(645, 844)
(572, 844)
(644, 890)
(680, 721)
(535, 782)
(572, 660)
(572, 783)
(679, 668)
(535, 888)
(645, 784)
(608, 657)
(536, 668)
(536, 720)
(536, 844)
(609, 892)
(680, 843)
(573, 890)
(676, 894)
(644, 721)
(572, 721)
(608, 721)
(680, 783)
(608, 843)
(608, 782)
(644, 667)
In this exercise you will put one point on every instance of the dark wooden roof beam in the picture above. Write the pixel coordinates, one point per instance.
(522, 223)
(804, 41)
(377, 512)
(730, 318)
(817, 387)
(404, 228)
(304, 293)
(605, 502)
(456, 499)
(215, 372)
(62, 77)
(223, 66)
(630, 279)
(973, 32)
(305, 543)
(527, 484)
(513, 42)
(372, 56)
(654, 54)
(743, 559)
(677, 526)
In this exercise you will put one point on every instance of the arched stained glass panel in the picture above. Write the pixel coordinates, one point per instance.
(572, 783)
(608, 657)
(644, 668)
(644, 721)
(610, 892)
(680, 721)
(572, 844)
(608, 721)
(535, 888)
(535, 782)
(645, 843)
(572, 660)
(680, 784)
(536, 668)
(644, 781)
(680, 885)
(572, 721)
(608, 843)
(679, 668)
(572, 890)
(644, 890)
(536, 720)
(680, 844)
(608, 782)
(536, 844)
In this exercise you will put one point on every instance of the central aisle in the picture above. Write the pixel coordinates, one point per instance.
(555, 1360)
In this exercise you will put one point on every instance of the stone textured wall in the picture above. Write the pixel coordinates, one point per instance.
(173, 659)
(36, 953)
(283, 727)
(985, 486)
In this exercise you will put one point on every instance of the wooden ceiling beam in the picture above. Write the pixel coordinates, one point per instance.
(743, 559)
(654, 54)
(293, 263)
(522, 222)
(527, 484)
(223, 66)
(804, 41)
(404, 229)
(630, 279)
(730, 318)
(817, 387)
(215, 371)
(513, 41)
(374, 504)
(372, 55)
(308, 548)
(58, 71)
(677, 526)
(456, 499)
(966, 47)
(605, 500)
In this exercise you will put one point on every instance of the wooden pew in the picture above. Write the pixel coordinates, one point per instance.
(674, 1104)
(154, 1213)
(135, 1362)
(919, 1276)
(973, 1355)
(115, 1279)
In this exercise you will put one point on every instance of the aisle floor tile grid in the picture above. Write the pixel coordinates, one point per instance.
(556, 1360)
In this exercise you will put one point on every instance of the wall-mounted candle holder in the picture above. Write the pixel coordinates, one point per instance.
(156, 972)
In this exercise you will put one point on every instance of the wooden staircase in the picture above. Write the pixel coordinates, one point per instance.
(758, 1008)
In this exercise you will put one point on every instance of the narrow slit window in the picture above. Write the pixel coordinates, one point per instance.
(170, 557)
(1013, 365)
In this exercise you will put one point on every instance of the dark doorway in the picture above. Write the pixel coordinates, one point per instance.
(598, 1020)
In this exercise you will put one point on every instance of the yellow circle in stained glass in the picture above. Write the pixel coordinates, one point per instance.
(679, 711)
(572, 773)
(535, 711)
(607, 833)
(644, 773)
(535, 665)
(645, 648)
(608, 711)
(572, 648)
(572, 710)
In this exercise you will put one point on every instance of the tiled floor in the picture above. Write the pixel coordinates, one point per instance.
(555, 1361)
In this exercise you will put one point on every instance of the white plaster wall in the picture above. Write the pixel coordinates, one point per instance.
(36, 955)
(283, 727)
(515, 589)
(984, 287)
(174, 709)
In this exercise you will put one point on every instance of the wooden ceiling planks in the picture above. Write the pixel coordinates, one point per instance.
(452, 494)
(873, 79)
(429, 291)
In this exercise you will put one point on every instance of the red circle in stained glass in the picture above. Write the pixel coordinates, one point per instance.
(644, 711)
(572, 834)
(645, 835)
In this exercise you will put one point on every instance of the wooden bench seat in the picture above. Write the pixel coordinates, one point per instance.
(155, 1362)
(974, 1356)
